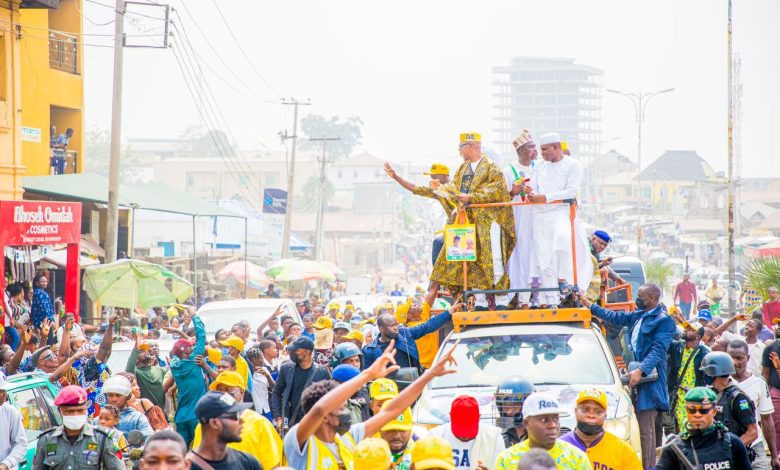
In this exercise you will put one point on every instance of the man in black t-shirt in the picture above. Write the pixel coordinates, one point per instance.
(218, 414)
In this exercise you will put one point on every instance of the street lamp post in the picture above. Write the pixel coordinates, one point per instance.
(639, 100)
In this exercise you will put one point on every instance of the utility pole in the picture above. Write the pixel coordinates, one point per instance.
(318, 239)
(290, 175)
(112, 212)
(639, 100)
(730, 229)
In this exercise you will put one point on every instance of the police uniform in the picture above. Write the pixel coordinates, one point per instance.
(713, 448)
(735, 409)
(93, 449)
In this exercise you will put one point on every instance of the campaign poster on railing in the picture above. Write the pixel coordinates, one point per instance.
(460, 241)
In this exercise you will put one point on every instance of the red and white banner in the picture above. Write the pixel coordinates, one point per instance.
(39, 222)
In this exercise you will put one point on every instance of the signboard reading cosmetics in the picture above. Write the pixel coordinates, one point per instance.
(39, 222)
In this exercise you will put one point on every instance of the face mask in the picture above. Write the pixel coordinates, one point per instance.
(640, 304)
(392, 335)
(294, 358)
(225, 351)
(345, 422)
(510, 422)
(590, 429)
(74, 423)
(708, 380)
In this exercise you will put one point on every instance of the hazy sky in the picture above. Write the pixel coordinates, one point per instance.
(418, 73)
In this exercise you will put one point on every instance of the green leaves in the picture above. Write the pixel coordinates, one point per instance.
(763, 273)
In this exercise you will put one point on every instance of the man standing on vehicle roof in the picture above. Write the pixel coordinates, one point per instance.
(515, 174)
(651, 331)
(556, 179)
(598, 243)
(478, 180)
(76, 443)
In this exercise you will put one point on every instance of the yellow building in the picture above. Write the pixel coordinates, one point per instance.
(52, 61)
(11, 167)
(41, 65)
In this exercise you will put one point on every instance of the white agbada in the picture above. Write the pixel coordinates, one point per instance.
(551, 257)
(519, 266)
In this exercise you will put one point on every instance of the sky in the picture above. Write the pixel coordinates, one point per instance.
(419, 73)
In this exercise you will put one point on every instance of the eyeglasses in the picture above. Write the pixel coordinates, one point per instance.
(700, 410)
(234, 416)
(48, 357)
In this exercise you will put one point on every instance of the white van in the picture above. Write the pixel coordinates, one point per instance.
(222, 315)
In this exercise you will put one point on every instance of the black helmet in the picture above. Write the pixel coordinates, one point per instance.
(717, 364)
(512, 392)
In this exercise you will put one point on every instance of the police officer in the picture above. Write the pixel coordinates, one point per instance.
(733, 407)
(705, 442)
(510, 395)
(348, 353)
(76, 444)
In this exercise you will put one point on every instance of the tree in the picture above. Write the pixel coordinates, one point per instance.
(97, 153)
(211, 143)
(349, 131)
(659, 273)
(762, 274)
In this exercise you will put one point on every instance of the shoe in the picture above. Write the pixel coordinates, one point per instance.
(523, 307)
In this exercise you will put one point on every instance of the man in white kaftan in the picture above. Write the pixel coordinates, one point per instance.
(553, 179)
(516, 173)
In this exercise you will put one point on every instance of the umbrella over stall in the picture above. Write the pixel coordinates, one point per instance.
(291, 269)
(128, 283)
(241, 271)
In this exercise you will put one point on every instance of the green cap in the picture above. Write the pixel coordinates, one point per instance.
(701, 395)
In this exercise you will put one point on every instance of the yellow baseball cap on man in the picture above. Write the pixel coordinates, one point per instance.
(467, 137)
(373, 454)
(594, 395)
(383, 389)
(228, 378)
(432, 452)
(323, 323)
(233, 341)
(354, 334)
(402, 422)
(438, 169)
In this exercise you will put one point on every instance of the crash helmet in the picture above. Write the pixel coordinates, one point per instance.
(345, 351)
(717, 364)
(510, 394)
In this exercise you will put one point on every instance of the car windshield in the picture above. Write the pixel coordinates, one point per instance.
(551, 359)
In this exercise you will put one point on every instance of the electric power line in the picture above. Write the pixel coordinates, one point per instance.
(126, 12)
(241, 49)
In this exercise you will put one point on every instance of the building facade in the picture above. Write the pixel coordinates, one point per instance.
(11, 166)
(548, 95)
(52, 71)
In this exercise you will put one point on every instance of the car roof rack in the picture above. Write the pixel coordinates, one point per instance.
(461, 320)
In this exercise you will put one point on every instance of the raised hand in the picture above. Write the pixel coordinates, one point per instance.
(441, 366)
(382, 366)
(113, 319)
(775, 360)
(390, 171)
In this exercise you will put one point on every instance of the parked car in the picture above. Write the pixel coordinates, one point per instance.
(222, 315)
(33, 395)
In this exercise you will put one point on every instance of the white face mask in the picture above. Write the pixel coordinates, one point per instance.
(74, 423)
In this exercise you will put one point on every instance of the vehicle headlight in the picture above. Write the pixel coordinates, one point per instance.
(620, 427)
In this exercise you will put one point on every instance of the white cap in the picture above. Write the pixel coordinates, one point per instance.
(550, 138)
(117, 384)
(540, 403)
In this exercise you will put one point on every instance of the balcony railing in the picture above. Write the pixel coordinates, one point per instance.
(64, 52)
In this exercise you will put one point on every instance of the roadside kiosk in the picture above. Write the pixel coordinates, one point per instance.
(35, 224)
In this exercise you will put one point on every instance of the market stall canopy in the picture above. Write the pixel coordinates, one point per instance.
(129, 283)
(294, 269)
(89, 187)
(240, 271)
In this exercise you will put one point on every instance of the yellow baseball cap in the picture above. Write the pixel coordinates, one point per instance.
(334, 306)
(228, 378)
(383, 389)
(432, 452)
(438, 169)
(470, 137)
(373, 454)
(402, 422)
(593, 394)
(349, 308)
(233, 341)
(354, 334)
(402, 311)
(323, 323)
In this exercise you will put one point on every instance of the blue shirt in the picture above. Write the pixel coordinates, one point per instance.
(655, 331)
(131, 419)
(41, 307)
(405, 343)
(189, 376)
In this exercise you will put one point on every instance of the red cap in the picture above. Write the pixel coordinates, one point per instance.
(464, 417)
(179, 346)
(72, 395)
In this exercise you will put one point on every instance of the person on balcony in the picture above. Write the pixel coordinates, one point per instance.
(59, 147)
